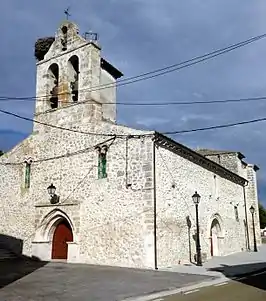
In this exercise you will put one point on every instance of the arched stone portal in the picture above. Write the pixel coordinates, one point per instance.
(55, 238)
(215, 233)
(62, 235)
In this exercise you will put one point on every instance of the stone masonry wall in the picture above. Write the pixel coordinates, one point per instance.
(229, 161)
(113, 225)
(177, 180)
(235, 164)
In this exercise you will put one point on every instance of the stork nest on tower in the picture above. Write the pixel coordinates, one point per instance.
(42, 46)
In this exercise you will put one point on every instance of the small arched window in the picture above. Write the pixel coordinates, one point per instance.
(64, 38)
(102, 161)
(27, 172)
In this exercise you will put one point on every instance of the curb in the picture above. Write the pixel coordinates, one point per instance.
(182, 290)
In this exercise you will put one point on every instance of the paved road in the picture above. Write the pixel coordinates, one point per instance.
(245, 289)
(71, 282)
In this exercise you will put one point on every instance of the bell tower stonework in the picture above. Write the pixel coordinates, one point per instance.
(75, 85)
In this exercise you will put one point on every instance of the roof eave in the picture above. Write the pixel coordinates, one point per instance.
(111, 69)
(197, 158)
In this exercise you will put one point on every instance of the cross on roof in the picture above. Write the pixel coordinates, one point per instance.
(66, 12)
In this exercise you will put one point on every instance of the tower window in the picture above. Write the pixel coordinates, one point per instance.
(53, 75)
(27, 174)
(64, 38)
(54, 97)
(73, 71)
(102, 161)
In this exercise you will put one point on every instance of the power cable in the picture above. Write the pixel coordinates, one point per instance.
(138, 135)
(215, 126)
(66, 155)
(60, 127)
(161, 71)
(247, 99)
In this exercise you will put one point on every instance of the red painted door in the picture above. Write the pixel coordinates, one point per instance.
(62, 235)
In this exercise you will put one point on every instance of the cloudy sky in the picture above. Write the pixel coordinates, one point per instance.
(142, 35)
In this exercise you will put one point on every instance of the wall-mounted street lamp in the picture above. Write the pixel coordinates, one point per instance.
(196, 200)
(53, 197)
(252, 211)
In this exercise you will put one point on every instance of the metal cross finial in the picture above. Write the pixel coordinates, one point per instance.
(66, 12)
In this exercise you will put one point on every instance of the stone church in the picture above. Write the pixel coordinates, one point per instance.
(85, 189)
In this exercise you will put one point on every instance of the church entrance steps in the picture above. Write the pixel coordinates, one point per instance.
(59, 260)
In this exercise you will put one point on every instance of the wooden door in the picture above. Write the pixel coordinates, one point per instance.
(62, 235)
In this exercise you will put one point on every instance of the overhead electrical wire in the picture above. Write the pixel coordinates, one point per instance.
(216, 126)
(152, 74)
(158, 72)
(170, 103)
(55, 126)
(136, 135)
(66, 155)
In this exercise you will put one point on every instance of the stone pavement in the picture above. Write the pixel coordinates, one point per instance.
(70, 282)
(229, 266)
(236, 267)
(61, 281)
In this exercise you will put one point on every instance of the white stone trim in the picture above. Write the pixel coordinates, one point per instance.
(48, 224)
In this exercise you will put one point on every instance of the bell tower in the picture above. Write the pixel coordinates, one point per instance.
(74, 83)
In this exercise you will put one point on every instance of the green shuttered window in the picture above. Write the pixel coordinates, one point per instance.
(102, 166)
(27, 175)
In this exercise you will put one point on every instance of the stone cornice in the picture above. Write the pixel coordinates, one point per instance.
(57, 204)
(198, 159)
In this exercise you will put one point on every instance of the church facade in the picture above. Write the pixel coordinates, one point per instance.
(85, 189)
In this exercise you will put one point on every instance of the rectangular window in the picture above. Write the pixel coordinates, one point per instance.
(236, 213)
(102, 166)
(27, 175)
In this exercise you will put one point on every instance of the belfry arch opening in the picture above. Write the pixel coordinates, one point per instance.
(73, 73)
(53, 79)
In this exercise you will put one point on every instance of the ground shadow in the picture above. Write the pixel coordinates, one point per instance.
(14, 265)
(249, 274)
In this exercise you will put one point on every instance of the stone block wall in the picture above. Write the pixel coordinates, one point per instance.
(178, 179)
(233, 162)
(113, 224)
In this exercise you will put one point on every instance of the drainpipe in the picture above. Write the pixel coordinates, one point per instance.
(246, 215)
(154, 207)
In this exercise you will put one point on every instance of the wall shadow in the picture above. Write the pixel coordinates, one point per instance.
(253, 274)
(14, 265)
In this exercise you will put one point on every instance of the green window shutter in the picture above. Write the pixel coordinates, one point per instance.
(104, 174)
(102, 166)
(27, 175)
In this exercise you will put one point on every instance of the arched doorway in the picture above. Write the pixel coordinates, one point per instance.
(62, 235)
(214, 237)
